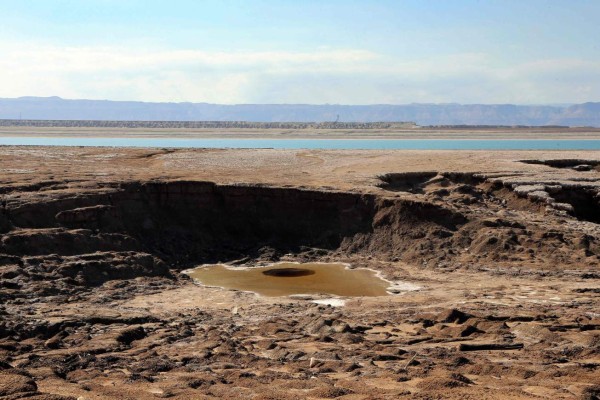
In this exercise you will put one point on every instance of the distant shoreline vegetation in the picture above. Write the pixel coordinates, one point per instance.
(204, 124)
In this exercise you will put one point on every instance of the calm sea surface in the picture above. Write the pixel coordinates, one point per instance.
(333, 144)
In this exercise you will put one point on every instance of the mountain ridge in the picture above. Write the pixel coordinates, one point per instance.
(56, 108)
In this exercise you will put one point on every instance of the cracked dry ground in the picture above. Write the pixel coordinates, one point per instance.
(505, 256)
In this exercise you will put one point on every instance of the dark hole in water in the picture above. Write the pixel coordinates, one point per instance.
(288, 272)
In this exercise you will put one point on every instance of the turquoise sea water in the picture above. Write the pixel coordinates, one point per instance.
(333, 144)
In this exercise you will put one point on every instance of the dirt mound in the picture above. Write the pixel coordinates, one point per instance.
(406, 181)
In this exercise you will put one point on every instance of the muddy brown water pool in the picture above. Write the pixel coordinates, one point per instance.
(285, 279)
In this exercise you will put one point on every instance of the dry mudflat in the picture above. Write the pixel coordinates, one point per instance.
(495, 258)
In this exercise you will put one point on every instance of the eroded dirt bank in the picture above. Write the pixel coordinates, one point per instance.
(503, 266)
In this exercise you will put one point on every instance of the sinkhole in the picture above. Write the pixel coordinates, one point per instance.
(288, 272)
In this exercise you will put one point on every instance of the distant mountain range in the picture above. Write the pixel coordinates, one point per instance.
(55, 108)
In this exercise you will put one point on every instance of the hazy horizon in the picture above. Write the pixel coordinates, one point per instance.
(283, 52)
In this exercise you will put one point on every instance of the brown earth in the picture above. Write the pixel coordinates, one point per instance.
(497, 262)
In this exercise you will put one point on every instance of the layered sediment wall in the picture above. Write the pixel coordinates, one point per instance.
(185, 223)
(202, 221)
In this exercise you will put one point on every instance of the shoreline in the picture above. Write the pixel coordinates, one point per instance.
(416, 133)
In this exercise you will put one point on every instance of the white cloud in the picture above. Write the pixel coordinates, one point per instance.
(350, 76)
(94, 59)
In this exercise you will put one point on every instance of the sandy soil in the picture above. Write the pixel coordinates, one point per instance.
(500, 272)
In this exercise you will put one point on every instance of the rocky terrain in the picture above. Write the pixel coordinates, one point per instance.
(495, 256)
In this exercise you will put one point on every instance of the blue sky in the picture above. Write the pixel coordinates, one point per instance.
(348, 52)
